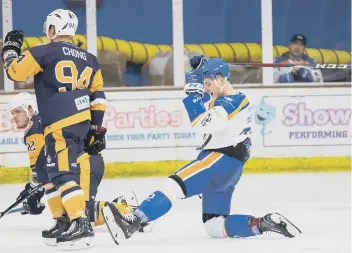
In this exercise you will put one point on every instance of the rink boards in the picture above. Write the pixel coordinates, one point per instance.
(294, 130)
(165, 168)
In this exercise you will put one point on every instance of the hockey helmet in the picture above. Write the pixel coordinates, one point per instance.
(23, 100)
(65, 22)
(216, 66)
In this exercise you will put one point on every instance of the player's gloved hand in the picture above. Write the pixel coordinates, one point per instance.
(95, 140)
(197, 61)
(32, 204)
(194, 82)
(12, 45)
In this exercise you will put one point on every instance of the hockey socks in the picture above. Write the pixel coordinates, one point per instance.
(241, 226)
(155, 206)
(73, 200)
(54, 201)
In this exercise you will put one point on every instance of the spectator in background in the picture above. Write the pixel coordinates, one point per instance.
(296, 55)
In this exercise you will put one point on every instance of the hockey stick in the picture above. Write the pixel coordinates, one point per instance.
(16, 210)
(280, 65)
(19, 201)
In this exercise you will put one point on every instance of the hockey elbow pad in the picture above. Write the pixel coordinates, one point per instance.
(194, 107)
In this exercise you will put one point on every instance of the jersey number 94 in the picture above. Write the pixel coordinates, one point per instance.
(75, 79)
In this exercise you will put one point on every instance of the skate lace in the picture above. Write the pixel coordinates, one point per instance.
(121, 199)
(129, 217)
(71, 228)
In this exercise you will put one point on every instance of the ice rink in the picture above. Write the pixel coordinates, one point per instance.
(320, 204)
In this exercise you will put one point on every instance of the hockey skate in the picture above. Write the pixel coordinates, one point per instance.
(277, 223)
(78, 236)
(50, 236)
(145, 226)
(121, 222)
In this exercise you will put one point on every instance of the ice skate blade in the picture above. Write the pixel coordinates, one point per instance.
(83, 243)
(50, 241)
(115, 231)
(292, 229)
(148, 228)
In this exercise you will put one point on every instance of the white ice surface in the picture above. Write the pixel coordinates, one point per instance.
(320, 204)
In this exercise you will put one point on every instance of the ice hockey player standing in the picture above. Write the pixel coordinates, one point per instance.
(23, 110)
(225, 121)
(68, 87)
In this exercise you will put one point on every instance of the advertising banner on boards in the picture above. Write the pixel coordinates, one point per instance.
(306, 120)
(300, 122)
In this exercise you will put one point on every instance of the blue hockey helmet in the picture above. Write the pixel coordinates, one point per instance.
(216, 66)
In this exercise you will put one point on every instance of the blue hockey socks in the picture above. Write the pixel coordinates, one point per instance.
(242, 226)
(155, 206)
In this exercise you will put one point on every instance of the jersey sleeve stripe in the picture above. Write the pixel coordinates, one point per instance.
(97, 83)
(195, 121)
(98, 107)
(212, 103)
(244, 104)
(23, 67)
(98, 101)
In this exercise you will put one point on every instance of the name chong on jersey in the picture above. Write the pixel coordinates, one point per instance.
(75, 53)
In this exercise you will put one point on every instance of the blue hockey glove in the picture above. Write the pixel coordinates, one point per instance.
(197, 61)
(194, 82)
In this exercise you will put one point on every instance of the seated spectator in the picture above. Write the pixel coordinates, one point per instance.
(296, 56)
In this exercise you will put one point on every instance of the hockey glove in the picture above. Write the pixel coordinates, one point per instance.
(197, 61)
(194, 82)
(12, 45)
(32, 204)
(95, 140)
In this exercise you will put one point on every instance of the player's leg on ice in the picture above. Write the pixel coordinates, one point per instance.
(57, 210)
(213, 174)
(189, 181)
(63, 147)
(219, 223)
(91, 173)
(92, 168)
(58, 213)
